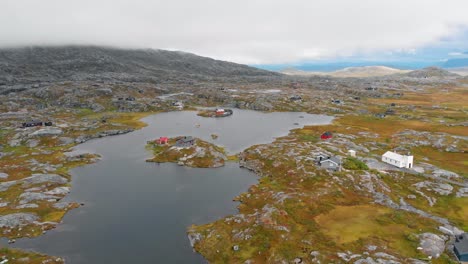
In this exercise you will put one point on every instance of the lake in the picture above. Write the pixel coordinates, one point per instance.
(138, 212)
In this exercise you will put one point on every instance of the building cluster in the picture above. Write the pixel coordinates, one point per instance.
(34, 123)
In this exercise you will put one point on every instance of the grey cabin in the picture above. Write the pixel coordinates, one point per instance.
(329, 163)
(185, 142)
(461, 247)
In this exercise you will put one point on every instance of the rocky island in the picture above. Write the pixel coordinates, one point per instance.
(187, 151)
(218, 112)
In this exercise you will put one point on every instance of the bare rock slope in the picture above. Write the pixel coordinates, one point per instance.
(74, 63)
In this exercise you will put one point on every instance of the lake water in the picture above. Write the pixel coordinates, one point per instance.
(138, 212)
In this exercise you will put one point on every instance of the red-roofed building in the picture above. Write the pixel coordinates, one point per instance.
(219, 111)
(162, 140)
(326, 135)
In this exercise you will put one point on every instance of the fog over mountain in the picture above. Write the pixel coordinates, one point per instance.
(245, 31)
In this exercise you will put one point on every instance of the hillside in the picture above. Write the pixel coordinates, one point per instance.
(430, 72)
(71, 63)
(463, 71)
(365, 71)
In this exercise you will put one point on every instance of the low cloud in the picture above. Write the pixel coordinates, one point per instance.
(245, 31)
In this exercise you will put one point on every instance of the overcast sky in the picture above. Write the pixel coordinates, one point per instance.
(244, 31)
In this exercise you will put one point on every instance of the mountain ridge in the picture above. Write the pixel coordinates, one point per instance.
(62, 63)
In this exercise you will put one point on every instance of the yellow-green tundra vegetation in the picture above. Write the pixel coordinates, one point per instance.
(18, 256)
(200, 154)
(300, 213)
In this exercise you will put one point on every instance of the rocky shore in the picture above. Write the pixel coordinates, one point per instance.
(34, 173)
(302, 213)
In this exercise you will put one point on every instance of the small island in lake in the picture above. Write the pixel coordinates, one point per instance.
(218, 112)
(187, 151)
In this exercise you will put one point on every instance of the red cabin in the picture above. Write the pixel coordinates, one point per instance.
(219, 111)
(326, 135)
(162, 140)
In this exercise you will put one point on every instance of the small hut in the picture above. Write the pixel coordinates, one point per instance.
(295, 98)
(162, 140)
(219, 111)
(326, 135)
(184, 142)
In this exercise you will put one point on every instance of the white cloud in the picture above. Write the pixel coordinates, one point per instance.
(246, 31)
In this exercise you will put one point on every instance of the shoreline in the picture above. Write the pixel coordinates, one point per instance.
(293, 135)
(89, 158)
(140, 119)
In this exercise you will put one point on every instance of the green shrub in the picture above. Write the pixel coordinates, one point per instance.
(351, 163)
(309, 138)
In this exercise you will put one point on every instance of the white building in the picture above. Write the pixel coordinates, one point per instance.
(352, 153)
(178, 105)
(398, 160)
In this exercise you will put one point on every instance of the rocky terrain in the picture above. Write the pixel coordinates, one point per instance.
(301, 212)
(81, 63)
(17, 256)
(200, 154)
(297, 212)
(34, 164)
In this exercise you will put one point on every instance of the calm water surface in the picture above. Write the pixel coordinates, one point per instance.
(138, 212)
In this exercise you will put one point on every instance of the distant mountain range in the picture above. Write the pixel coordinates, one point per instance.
(365, 71)
(375, 71)
(69, 63)
(331, 66)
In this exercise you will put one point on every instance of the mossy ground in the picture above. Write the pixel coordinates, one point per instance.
(296, 209)
(19, 256)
